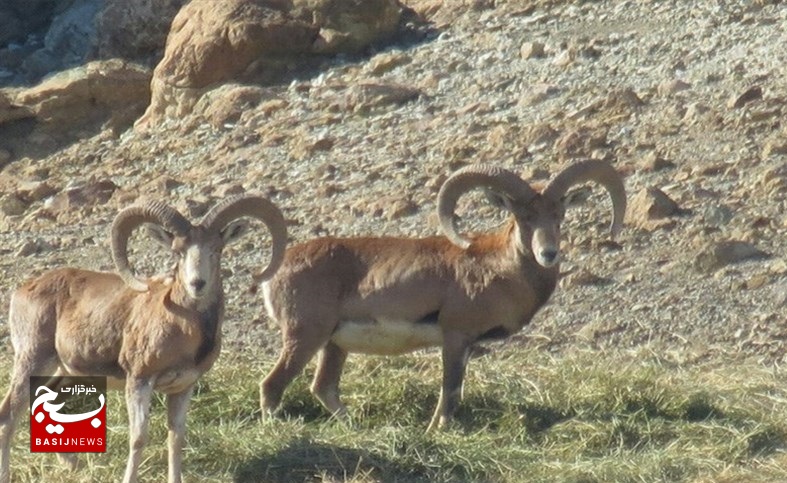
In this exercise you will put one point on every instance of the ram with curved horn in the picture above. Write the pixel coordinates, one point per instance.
(393, 295)
(159, 333)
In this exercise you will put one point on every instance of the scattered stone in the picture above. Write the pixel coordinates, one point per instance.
(436, 182)
(751, 94)
(400, 208)
(33, 247)
(389, 207)
(33, 191)
(229, 189)
(367, 96)
(600, 327)
(92, 193)
(582, 278)
(670, 87)
(565, 58)
(274, 105)
(578, 143)
(197, 206)
(166, 184)
(774, 146)
(757, 281)
(720, 254)
(654, 162)
(622, 100)
(226, 104)
(649, 207)
(327, 190)
(532, 50)
(30, 247)
(717, 216)
(323, 144)
(773, 180)
(778, 267)
(539, 93)
(383, 63)
(695, 113)
(303, 149)
(536, 174)
(12, 205)
(539, 134)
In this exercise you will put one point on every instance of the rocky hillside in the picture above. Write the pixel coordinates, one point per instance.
(687, 99)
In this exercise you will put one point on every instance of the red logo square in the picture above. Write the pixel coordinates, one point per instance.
(68, 414)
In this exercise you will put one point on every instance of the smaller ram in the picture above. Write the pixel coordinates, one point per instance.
(159, 334)
(393, 295)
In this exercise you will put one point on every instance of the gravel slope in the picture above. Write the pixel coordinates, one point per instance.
(654, 87)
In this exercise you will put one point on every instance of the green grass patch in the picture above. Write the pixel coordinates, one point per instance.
(526, 416)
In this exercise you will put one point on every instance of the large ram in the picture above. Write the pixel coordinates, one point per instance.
(158, 334)
(394, 295)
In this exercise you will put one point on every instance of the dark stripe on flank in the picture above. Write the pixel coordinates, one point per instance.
(430, 318)
(494, 333)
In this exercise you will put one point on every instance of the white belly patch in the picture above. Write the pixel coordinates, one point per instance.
(386, 337)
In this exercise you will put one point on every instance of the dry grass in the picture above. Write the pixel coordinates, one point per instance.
(526, 416)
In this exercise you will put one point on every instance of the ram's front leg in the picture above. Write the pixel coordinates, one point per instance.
(138, 394)
(177, 406)
(455, 352)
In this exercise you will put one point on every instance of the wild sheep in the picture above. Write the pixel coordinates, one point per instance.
(394, 295)
(158, 334)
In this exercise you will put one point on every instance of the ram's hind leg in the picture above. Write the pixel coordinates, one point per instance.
(69, 460)
(16, 402)
(300, 342)
(325, 385)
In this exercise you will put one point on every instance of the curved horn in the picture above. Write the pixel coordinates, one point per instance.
(466, 179)
(132, 217)
(602, 173)
(255, 207)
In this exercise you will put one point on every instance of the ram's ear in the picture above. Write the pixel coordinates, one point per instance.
(234, 231)
(160, 235)
(498, 199)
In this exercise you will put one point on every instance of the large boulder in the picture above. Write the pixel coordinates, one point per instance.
(67, 41)
(134, 29)
(111, 88)
(258, 42)
(213, 42)
(55, 35)
(20, 17)
(98, 95)
(9, 110)
(350, 25)
(10, 25)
